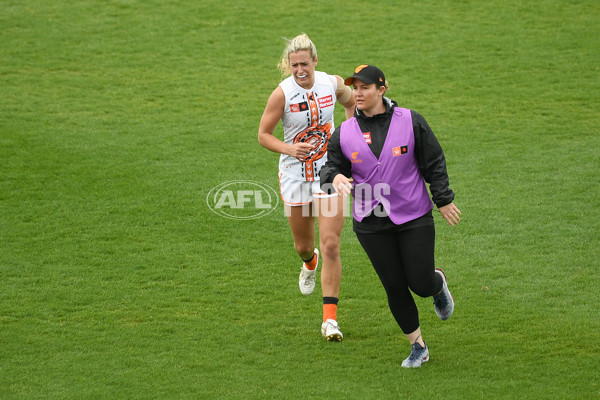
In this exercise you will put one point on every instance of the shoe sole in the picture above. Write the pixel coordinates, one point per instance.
(445, 282)
(452, 297)
(334, 338)
(306, 292)
(423, 361)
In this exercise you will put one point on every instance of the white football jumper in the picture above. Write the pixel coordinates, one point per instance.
(312, 108)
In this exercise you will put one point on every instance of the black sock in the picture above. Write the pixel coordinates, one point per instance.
(330, 300)
(310, 259)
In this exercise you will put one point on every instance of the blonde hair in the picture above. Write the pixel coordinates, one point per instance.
(300, 42)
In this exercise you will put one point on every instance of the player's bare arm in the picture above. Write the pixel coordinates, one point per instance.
(345, 97)
(268, 122)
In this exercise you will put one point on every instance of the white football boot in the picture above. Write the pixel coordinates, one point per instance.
(331, 331)
(307, 278)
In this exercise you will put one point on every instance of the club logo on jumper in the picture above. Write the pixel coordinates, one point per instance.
(299, 107)
(354, 158)
(317, 137)
(326, 101)
(242, 199)
(400, 150)
(367, 136)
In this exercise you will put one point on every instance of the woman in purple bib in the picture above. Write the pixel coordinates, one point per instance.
(385, 156)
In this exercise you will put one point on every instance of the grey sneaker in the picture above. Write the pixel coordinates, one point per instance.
(418, 356)
(443, 302)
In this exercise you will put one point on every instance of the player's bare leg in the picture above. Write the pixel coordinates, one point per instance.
(330, 214)
(331, 221)
(302, 224)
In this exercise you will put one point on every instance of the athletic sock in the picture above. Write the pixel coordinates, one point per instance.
(330, 308)
(312, 263)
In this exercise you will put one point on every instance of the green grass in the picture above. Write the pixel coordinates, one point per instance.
(118, 282)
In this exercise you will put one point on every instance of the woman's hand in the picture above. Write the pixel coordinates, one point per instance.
(300, 150)
(342, 185)
(450, 213)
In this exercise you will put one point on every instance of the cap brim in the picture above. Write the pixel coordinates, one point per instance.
(350, 80)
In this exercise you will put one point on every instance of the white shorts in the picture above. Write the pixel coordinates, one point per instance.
(296, 192)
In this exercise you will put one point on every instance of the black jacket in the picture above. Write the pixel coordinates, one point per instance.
(428, 152)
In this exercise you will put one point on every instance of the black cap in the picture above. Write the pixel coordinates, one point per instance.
(368, 74)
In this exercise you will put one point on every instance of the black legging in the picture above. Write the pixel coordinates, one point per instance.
(404, 260)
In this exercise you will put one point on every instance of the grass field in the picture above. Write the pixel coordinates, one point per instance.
(117, 281)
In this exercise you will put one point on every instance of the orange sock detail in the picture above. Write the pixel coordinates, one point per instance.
(329, 312)
(312, 264)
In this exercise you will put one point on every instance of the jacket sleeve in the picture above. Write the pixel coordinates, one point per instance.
(431, 161)
(336, 162)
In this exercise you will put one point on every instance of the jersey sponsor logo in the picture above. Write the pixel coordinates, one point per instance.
(367, 136)
(399, 150)
(325, 101)
(299, 107)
